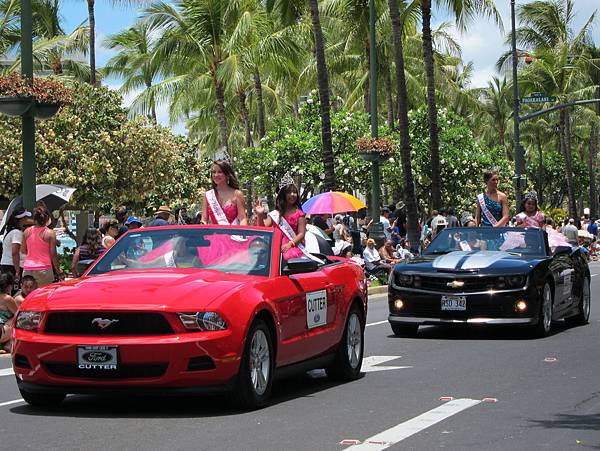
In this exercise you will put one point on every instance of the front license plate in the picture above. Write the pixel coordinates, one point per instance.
(97, 357)
(454, 303)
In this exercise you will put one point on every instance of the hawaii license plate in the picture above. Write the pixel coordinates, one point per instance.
(454, 303)
(97, 357)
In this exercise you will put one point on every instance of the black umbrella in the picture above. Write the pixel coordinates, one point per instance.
(54, 196)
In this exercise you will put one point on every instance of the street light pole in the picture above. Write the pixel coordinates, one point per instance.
(377, 227)
(27, 120)
(518, 150)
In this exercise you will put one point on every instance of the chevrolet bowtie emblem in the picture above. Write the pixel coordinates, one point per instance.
(456, 284)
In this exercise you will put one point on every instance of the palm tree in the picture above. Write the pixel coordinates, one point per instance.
(290, 10)
(497, 103)
(463, 10)
(10, 32)
(405, 147)
(559, 68)
(594, 75)
(136, 62)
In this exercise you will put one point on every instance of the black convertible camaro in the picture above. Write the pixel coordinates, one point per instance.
(490, 276)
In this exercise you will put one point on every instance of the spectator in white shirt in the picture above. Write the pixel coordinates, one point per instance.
(387, 228)
(12, 257)
(403, 250)
(372, 258)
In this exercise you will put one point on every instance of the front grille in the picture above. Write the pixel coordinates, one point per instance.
(141, 371)
(430, 309)
(471, 284)
(88, 323)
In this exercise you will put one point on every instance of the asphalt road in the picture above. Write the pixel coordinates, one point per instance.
(509, 392)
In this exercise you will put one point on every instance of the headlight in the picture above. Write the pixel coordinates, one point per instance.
(515, 281)
(28, 320)
(404, 280)
(202, 321)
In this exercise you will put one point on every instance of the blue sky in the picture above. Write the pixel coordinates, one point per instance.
(482, 44)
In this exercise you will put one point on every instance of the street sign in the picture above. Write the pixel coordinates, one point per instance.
(538, 97)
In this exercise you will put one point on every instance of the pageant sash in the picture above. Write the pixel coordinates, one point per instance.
(217, 210)
(287, 230)
(484, 209)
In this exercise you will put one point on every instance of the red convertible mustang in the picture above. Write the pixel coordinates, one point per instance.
(191, 309)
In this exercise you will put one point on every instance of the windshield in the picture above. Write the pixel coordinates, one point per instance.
(515, 240)
(236, 251)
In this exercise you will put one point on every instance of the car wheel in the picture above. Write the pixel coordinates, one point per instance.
(255, 379)
(405, 330)
(42, 399)
(349, 355)
(544, 325)
(583, 315)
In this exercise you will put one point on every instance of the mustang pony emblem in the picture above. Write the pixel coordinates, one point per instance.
(104, 323)
(456, 284)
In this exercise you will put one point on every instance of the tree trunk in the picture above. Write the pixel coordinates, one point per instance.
(152, 104)
(436, 195)
(245, 117)
(566, 150)
(593, 153)
(327, 152)
(412, 224)
(220, 95)
(260, 105)
(389, 101)
(92, 21)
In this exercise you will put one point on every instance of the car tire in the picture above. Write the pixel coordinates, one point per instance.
(583, 315)
(255, 379)
(42, 399)
(349, 355)
(405, 330)
(544, 325)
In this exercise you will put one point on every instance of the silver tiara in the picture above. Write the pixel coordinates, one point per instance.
(223, 155)
(286, 180)
(531, 195)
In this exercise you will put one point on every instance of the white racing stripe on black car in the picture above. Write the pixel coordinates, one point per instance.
(468, 260)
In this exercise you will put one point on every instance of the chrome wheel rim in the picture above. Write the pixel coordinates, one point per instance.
(586, 301)
(354, 341)
(547, 308)
(260, 362)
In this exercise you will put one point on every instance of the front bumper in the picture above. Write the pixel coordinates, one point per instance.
(423, 307)
(203, 360)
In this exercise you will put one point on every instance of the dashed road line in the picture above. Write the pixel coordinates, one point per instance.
(377, 323)
(7, 372)
(14, 401)
(415, 425)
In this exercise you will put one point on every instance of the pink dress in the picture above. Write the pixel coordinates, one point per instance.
(221, 247)
(293, 252)
(230, 210)
(537, 220)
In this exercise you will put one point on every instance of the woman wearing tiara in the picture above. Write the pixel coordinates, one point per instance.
(224, 204)
(289, 217)
(530, 215)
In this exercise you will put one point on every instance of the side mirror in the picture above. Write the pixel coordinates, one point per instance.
(299, 266)
(563, 250)
(82, 266)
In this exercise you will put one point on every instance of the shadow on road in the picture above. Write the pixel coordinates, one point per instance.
(474, 332)
(126, 406)
(570, 421)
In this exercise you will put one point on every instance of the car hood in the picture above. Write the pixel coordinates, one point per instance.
(164, 289)
(460, 261)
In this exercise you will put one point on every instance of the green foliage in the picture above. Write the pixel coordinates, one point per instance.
(463, 161)
(294, 145)
(557, 214)
(90, 145)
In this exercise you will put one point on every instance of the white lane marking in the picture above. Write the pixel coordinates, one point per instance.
(7, 372)
(594, 275)
(8, 403)
(377, 323)
(369, 363)
(404, 430)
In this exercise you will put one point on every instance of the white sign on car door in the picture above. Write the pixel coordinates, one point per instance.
(316, 308)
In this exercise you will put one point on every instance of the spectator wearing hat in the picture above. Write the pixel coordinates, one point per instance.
(161, 218)
(133, 222)
(12, 257)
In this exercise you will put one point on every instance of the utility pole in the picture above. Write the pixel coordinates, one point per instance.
(27, 120)
(518, 180)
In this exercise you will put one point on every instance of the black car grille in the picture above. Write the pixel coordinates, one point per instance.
(87, 323)
(140, 371)
(471, 284)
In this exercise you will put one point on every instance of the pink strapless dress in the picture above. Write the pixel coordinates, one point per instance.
(293, 219)
(222, 247)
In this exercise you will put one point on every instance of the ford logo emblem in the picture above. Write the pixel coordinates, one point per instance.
(317, 318)
(97, 357)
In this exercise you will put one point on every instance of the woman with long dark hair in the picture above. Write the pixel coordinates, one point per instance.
(492, 205)
(530, 215)
(39, 247)
(224, 204)
(12, 255)
(90, 249)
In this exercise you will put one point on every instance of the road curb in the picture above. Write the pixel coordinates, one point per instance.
(378, 290)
